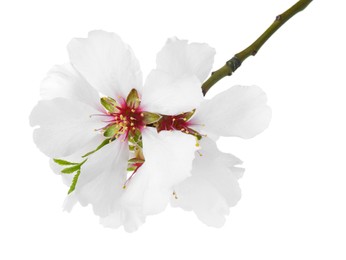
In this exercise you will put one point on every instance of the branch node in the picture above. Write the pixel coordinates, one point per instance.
(233, 64)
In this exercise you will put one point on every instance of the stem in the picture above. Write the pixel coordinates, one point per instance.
(238, 58)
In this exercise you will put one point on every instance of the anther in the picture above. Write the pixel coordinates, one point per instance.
(133, 110)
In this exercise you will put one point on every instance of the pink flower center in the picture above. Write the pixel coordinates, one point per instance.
(179, 122)
(176, 122)
(126, 119)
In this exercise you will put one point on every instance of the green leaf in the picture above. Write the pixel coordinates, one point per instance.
(109, 104)
(71, 169)
(63, 162)
(74, 182)
(105, 142)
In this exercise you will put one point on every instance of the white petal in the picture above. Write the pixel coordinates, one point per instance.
(123, 215)
(107, 63)
(165, 94)
(198, 195)
(64, 81)
(239, 111)
(65, 126)
(70, 201)
(178, 58)
(168, 161)
(102, 178)
(213, 186)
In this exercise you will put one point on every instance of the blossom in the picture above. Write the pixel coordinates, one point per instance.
(128, 148)
(213, 185)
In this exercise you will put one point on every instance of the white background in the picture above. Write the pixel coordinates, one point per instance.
(294, 187)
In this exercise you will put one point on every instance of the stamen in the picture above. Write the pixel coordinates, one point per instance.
(109, 121)
(128, 180)
(92, 115)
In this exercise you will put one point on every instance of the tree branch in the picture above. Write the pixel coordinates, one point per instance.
(233, 64)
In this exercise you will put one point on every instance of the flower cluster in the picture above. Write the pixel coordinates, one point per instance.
(128, 148)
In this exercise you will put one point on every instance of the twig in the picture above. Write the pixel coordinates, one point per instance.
(238, 58)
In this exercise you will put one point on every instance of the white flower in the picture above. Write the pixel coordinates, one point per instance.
(213, 186)
(70, 111)
(129, 149)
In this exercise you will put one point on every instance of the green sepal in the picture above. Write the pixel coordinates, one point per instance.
(63, 162)
(135, 138)
(150, 118)
(187, 116)
(111, 130)
(136, 160)
(133, 99)
(74, 182)
(105, 142)
(109, 104)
